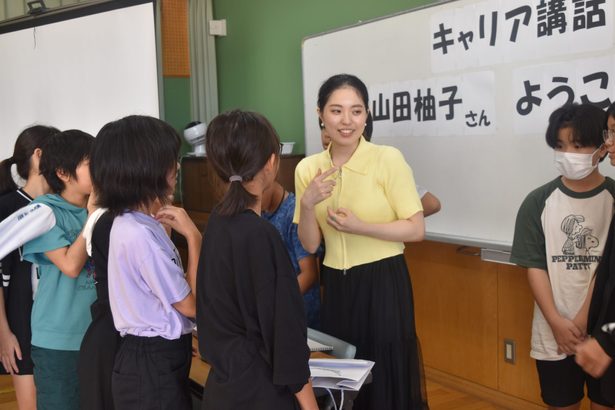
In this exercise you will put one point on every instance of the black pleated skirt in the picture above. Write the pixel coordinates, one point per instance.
(371, 306)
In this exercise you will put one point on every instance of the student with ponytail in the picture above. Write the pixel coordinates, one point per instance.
(7, 183)
(17, 274)
(250, 313)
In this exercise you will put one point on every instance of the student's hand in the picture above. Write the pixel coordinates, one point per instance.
(9, 348)
(592, 358)
(195, 351)
(343, 220)
(580, 321)
(319, 188)
(177, 219)
(567, 335)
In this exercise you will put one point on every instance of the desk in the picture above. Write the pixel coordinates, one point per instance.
(199, 370)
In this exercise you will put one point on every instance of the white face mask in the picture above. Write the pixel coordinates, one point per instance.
(575, 166)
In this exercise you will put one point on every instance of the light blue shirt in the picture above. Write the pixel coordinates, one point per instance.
(145, 279)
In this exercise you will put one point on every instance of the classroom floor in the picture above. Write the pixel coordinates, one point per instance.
(444, 398)
(7, 394)
(440, 398)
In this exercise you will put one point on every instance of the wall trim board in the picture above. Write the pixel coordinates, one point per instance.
(461, 240)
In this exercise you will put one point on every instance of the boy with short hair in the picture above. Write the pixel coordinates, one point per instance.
(60, 314)
(560, 235)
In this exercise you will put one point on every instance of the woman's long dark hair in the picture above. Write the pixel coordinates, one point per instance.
(238, 145)
(28, 140)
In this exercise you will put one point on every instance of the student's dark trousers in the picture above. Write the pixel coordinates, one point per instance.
(152, 373)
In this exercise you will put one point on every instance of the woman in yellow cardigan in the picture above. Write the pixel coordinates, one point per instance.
(361, 198)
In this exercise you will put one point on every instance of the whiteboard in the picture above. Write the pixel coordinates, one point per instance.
(456, 76)
(80, 71)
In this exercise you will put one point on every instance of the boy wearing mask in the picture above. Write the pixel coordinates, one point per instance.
(560, 234)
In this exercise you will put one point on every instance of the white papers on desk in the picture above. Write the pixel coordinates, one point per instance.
(317, 346)
(348, 374)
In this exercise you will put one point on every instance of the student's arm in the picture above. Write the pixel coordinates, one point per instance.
(23, 225)
(279, 312)
(596, 354)
(403, 230)
(177, 219)
(580, 319)
(431, 204)
(567, 334)
(186, 306)
(9, 346)
(309, 273)
(592, 358)
(306, 398)
(70, 259)
(319, 189)
(308, 230)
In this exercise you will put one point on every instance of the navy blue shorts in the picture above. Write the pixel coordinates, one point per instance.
(55, 377)
(152, 373)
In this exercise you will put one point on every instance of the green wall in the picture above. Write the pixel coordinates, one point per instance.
(177, 101)
(177, 104)
(259, 61)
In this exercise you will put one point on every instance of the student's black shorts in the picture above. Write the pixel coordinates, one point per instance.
(152, 373)
(562, 383)
(18, 306)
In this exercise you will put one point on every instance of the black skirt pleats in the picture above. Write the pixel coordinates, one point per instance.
(371, 306)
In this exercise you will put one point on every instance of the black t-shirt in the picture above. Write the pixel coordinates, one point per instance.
(250, 316)
(602, 311)
(100, 253)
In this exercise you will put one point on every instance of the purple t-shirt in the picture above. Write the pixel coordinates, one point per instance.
(145, 279)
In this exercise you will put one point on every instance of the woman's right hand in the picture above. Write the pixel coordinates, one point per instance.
(319, 189)
(9, 349)
(567, 335)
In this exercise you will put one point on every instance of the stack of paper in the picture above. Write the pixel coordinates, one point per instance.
(317, 346)
(346, 374)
